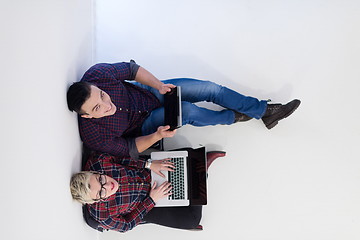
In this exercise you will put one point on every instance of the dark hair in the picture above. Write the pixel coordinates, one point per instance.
(77, 94)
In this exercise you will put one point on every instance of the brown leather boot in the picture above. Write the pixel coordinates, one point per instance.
(240, 117)
(276, 112)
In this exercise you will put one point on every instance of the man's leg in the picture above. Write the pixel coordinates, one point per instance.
(193, 90)
(196, 90)
(191, 114)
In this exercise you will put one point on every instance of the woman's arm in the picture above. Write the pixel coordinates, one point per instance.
(126, 222)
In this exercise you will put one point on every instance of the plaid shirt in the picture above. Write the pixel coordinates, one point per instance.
(116, 134)
(126, 208)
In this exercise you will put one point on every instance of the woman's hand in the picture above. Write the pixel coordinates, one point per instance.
(157, 193)
(164, 88)
(162, 165)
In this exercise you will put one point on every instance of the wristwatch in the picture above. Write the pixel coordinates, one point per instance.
(148, 163)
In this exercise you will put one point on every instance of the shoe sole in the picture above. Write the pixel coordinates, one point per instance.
(216, 152)
(198, 228)
(273, 124)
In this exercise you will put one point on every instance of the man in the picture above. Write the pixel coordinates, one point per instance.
(125, 118)
(118, 193)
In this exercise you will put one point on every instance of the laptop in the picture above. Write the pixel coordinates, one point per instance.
(172, 108)
(189, 180)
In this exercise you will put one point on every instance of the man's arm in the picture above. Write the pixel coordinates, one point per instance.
(144, 142)
(125, 147)
(145, 77)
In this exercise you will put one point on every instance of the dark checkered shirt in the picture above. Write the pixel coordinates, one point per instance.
(116, 134)
(126, 208)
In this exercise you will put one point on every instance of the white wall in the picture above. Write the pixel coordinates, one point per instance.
(45, 45)
(301, 179)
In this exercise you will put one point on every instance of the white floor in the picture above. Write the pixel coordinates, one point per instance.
(298, 181)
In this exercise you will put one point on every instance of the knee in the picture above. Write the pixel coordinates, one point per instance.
(186, 106)
(188, 110)
(197, 215)
(211, 86)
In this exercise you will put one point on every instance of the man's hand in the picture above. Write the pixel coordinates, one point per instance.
(162, 165)
(164, 88)
(144, 142)
(157, 193)
(163, 132)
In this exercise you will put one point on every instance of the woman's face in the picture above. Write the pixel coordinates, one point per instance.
(102, 186)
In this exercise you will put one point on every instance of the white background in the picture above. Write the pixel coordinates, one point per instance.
(45, 45)
(299, 180)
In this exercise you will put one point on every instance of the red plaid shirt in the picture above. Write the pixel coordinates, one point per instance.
(126, 208)
(116, 134)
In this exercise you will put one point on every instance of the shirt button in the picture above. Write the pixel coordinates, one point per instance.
(139, 111)
(127, 110)
(120, 109)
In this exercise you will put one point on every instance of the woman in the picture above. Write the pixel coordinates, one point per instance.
(118, 193)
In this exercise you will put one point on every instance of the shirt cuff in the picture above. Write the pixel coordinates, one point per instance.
(133, 69)
(133, 151)
(149, 203)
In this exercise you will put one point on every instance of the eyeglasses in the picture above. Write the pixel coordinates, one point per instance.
(102, 192)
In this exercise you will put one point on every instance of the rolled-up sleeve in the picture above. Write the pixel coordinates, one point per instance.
(133, 69)
(133, 151)
(124, 70)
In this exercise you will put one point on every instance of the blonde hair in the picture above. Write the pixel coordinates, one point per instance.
(79, 187)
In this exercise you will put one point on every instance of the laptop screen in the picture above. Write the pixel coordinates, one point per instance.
(172, 108)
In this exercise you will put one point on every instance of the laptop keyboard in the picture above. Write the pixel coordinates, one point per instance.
(176, 179)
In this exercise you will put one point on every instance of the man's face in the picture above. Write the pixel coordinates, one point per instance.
(102, 186)
(98, 105)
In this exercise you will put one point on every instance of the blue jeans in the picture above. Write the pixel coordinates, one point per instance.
(193, 91)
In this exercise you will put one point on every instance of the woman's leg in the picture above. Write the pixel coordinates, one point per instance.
(176, 217)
